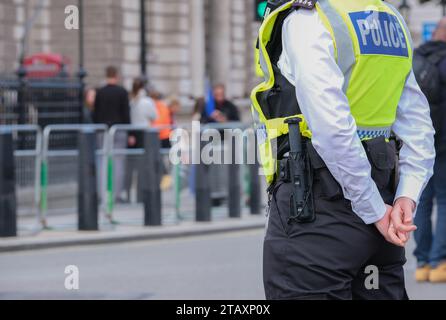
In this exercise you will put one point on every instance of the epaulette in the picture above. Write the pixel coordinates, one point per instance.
(305, 4)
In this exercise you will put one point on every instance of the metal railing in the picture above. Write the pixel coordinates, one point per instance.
(30, 153)
(108, 160)
(47, 153)
(40, 101)
(107, 150)
(108, 163)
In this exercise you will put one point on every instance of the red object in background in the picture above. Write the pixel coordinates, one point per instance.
(46, 65)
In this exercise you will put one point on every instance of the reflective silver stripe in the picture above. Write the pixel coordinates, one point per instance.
(344, 44)
(255, 115)
(264, 66)
(371, 133)
(403, 22)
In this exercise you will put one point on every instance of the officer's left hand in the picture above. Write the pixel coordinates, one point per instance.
(402, 216)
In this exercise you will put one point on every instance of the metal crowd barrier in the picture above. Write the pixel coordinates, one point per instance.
(151, 151)
(35, 153)
(47, 153)
(112, 152)
(204, 175)
(108, 163)
(32, 153)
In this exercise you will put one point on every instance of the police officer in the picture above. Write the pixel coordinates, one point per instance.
(349, 64)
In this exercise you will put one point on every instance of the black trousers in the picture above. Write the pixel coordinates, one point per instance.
(327, 259)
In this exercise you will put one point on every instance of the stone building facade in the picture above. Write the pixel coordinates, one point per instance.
(419, 15)
(188, 41)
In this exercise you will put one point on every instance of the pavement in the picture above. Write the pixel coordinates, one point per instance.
(220, 260)
(127, 226)
(224, 266)
(127, 220)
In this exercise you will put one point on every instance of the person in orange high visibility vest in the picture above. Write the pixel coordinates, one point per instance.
(164, 120)
(164, 123)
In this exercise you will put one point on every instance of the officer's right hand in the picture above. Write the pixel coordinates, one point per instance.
(389, 232)
(402, 215)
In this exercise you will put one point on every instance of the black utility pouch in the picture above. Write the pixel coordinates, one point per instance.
(325, 184)
(395, 177)
(382, 157)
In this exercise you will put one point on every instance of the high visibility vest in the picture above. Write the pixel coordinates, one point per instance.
(373, 48)
(164, 120)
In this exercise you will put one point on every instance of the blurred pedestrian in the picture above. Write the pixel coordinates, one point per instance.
(164, 120)
(90, 97)
(142, 114)
(164, 124)
(430, 64)
(200, 104)
(175, 108)
(218, 110)
(112, 107)
(224, 110)
(142, 111)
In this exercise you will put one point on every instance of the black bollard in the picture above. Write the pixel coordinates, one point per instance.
(203, 203)
(87, 187)
(254, 180)
(8, 202)
(151, 179)
(234, 188)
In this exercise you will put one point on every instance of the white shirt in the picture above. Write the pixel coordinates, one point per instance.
(142, 110)
(308, 62)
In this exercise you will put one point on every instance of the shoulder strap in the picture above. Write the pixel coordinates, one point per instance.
(275, 47)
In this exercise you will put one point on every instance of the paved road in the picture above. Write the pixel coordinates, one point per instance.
(211, 267)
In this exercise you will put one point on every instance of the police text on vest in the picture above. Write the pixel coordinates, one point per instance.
(379, 33)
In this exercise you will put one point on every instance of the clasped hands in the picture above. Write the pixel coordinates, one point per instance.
(398, 224)
(219, 117)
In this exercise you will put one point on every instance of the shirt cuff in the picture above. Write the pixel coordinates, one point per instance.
(410, 187)
(371, 210)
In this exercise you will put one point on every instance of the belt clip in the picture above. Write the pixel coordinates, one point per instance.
(285, 174)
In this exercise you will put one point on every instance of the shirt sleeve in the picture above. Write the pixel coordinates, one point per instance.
(308, 61)
(414, 127)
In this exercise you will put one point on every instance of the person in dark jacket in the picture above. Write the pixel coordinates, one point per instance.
(112, 101)
(225, 111)
(112, 107)
(431, 244)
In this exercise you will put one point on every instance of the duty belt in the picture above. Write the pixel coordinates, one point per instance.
(383, 157)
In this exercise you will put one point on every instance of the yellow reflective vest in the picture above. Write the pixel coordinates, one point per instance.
(374, 51)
